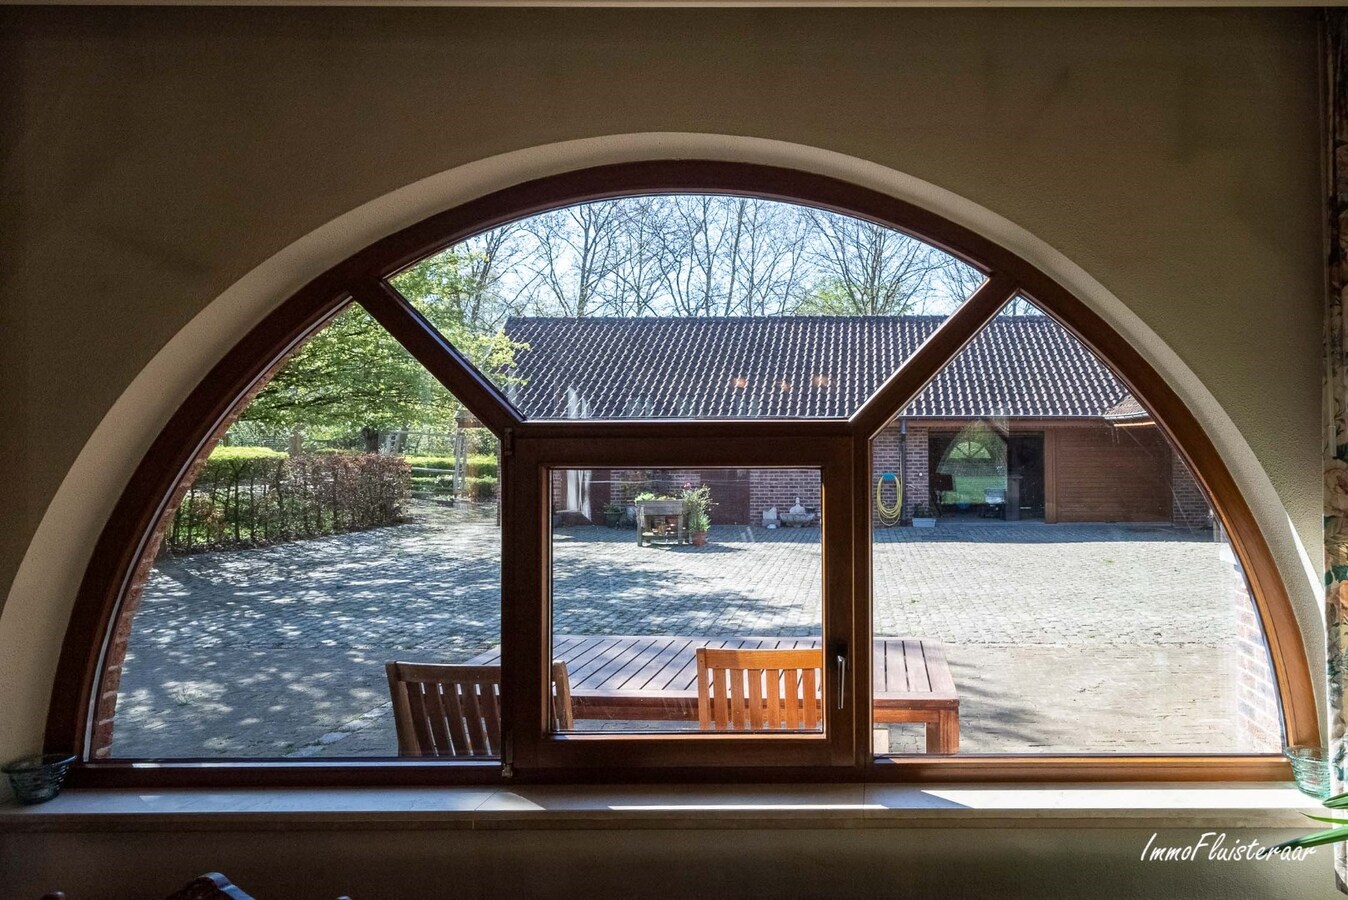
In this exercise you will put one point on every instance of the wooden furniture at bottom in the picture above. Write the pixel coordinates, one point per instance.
(211, 886)
(661, 522)
(455, 710)
(654, 678)
(758, 690)
(911, 681)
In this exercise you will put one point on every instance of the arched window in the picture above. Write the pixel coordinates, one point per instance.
(694, 466)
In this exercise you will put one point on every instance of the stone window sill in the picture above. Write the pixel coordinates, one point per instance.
(700, 806)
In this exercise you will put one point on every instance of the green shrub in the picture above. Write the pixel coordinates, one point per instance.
(483, 488)
(245, 454)
(483, 465)
(252, 496)
(476, 465)
(431, 462)
(436, 484)
(233, 464)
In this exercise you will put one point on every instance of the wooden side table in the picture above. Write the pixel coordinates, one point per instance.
(664, 514)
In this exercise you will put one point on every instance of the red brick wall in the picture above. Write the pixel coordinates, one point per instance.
(558, 489)
(1258, 712)
(731, 490)
(885, 458)
(780, 488)
(1112, 477)
(627, 483)
(915, 470)
(1188, 505)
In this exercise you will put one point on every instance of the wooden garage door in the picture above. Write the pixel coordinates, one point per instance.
(730, 490)
(1107, 474)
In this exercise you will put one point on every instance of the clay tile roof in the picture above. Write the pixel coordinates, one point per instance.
(797, 367)
(1128, 410)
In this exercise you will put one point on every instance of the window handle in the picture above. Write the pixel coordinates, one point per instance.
(842, 678)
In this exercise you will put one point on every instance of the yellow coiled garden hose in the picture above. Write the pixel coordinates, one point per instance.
(889, 515)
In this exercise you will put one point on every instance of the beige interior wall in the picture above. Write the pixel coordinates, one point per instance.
(149, 159)
(304, 863)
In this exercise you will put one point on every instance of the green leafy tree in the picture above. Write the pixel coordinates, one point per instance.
(352, 378)
(453, 291)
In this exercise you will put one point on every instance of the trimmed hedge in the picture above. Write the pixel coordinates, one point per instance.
(243, 454)
(254, 496)
(431, 462)
(482, 474)
(483, 488)
(484, 465)
(478, 465)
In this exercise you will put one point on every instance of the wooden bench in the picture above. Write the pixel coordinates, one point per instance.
(912, 683)
(654, 678)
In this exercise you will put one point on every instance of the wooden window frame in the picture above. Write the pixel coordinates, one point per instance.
(841, 446)
(527, 523)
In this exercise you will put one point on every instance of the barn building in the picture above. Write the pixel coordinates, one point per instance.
(1025, 424)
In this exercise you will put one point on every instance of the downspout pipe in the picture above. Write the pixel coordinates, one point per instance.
(903, 465)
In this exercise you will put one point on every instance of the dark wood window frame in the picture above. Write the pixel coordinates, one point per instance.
(840, 448)
(527, 516)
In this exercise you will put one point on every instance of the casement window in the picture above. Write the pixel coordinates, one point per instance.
(1078, 594)
(859, 495)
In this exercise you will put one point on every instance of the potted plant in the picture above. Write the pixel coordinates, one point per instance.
(697, 512)
(698, 523)
(924, 516)
(614, 513)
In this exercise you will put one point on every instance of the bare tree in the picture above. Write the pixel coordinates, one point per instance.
(577, 252)
(704, 255)
(957, 281)
(728, 256)
(693, 243)
(489, 259)
(865, 269)
(642, 265)
(768, 270)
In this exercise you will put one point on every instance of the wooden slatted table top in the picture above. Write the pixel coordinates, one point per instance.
(656, 675)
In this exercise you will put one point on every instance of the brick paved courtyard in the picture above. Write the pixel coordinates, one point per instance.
(1068, 638)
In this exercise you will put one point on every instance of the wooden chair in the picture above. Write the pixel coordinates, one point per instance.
(449, 710)
(759, 690)
(211, 886)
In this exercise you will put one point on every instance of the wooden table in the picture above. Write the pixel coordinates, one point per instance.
(633, 678)
(662, 511)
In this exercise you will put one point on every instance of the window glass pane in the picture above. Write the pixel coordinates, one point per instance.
(722, 564)
(1051, 578)
(688, 306)
(346, 519)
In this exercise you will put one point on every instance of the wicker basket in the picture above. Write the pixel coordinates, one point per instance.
(37, 779)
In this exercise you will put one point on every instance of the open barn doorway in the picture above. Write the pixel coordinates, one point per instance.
(982, 472)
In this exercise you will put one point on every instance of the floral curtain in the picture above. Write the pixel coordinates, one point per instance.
(1336, 401)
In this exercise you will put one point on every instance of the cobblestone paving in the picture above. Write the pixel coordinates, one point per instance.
(1059, 637)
